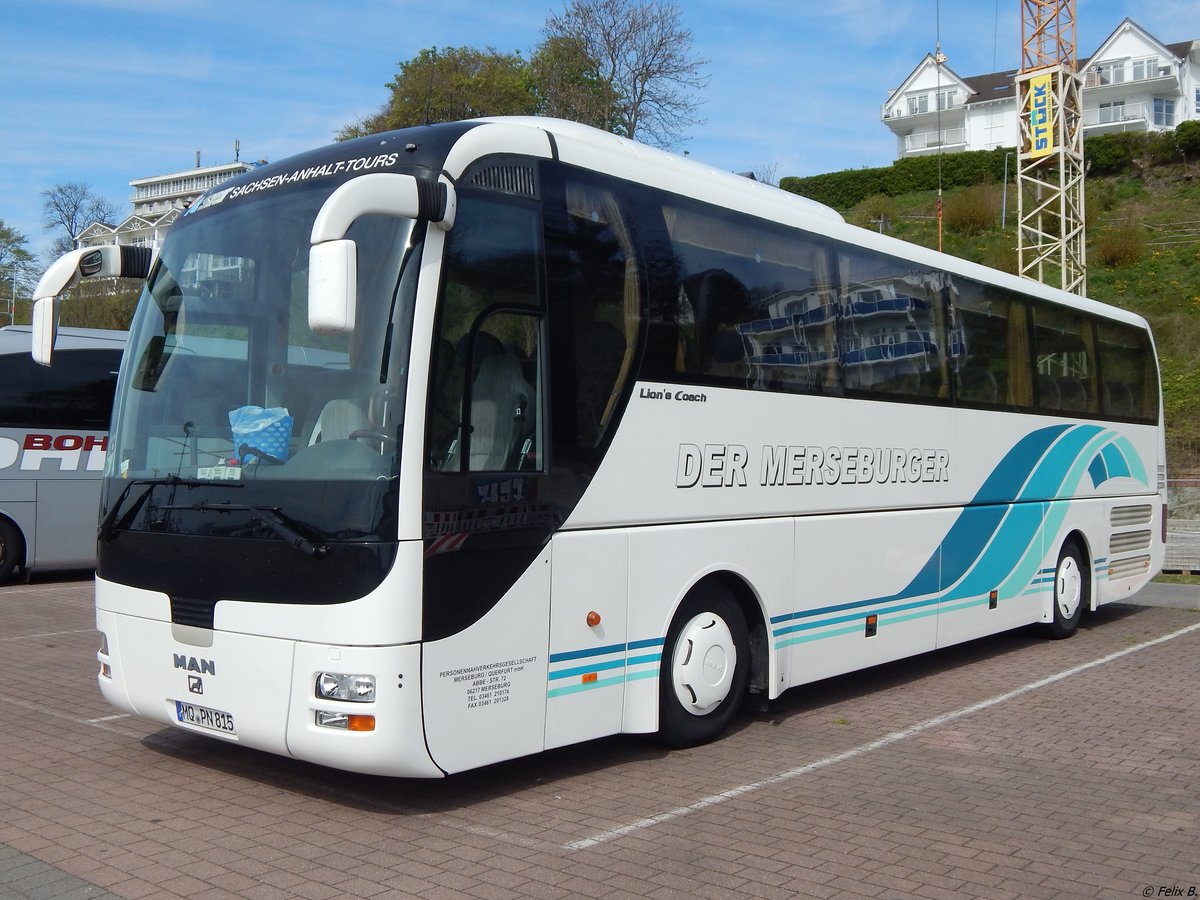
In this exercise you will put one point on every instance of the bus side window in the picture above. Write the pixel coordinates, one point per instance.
(754, 303)
(1066, 363)
(1129, 389)
(605, 301)
(891, 327)
(76, 393)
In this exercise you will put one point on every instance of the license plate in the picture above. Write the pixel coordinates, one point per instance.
(203, 717)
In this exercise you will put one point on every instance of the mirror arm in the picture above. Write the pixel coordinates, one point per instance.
(110, 260)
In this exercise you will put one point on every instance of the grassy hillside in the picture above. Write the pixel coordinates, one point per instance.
(1143, 253)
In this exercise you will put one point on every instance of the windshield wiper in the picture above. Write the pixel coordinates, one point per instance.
(109, 522)
(269, 516)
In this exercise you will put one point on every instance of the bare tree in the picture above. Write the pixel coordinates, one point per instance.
(766, 173)
(70, 208)
(644, 55)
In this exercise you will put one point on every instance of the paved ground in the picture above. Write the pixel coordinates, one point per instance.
(1009, 767)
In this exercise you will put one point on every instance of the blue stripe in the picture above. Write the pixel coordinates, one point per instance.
(648, 642)
(582, 654)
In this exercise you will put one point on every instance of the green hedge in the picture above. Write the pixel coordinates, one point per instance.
(1106, 154)
(842, 190)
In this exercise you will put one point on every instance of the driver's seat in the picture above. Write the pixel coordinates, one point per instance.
(338, 420)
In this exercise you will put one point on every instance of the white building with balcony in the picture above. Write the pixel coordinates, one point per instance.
(157, 203)
(1133, 82)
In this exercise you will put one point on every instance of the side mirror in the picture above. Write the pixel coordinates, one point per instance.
(89, 262)
(333, 260)
(332, 287)
(45, 329)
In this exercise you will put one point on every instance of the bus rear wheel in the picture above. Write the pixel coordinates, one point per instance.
(1072, 592)
(705, 667)
(10, 549)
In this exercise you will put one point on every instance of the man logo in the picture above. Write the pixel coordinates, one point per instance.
(192, 664)
(195, 684)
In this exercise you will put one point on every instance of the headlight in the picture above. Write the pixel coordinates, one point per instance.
(355, 688)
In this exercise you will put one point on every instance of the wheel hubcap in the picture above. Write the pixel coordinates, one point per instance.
(703, 665)
(1068, 587)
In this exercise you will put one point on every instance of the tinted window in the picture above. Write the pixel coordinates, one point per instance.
(1129, 385)
(989, 337)
(75, 393)
(1066, 361)
(603, 290)
(764, 306)
(757, 303)
(891, 328)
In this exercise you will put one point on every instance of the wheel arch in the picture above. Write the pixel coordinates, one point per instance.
(1079, 538)
(751, 603)
(20, 549)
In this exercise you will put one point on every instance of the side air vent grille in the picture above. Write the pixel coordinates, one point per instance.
(1127, 516)
(1126, 568)
(189, 611)
(1128, 542)
(507, 179)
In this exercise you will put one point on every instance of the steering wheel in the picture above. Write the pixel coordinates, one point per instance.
(370, 434)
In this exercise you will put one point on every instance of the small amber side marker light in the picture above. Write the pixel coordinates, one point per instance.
(593, 619)
(590, 678)
(360, 723)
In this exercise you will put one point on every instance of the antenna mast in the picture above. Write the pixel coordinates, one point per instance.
(1050, 233)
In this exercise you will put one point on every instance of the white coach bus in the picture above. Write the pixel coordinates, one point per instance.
(554, 436)
(53, 435)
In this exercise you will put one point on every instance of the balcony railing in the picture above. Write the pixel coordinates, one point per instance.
(1094, 77)
(1118, 118)
(899, 110)
(931, 140)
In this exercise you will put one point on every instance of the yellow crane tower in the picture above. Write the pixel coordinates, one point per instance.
(1050, 233)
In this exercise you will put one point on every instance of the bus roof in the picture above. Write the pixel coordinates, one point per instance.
(452, 147)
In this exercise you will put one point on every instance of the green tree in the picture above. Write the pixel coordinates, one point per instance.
(567, 84)
(15, 260)
(450, 84)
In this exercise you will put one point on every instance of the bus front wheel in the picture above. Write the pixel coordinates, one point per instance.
(1072, 592)
(10, 549)
(705, 667)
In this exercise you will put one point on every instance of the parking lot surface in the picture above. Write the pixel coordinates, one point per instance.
(1007, 767)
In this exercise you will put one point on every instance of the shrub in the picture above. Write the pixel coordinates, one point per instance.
(1187, 138)
(874, 210)
(1162, 148)
(1109, 154)
(973, 210)
(1123, 245)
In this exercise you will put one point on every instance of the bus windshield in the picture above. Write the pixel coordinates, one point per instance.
(230, 408)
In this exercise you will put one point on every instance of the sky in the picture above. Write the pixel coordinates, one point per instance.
(107, 91)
